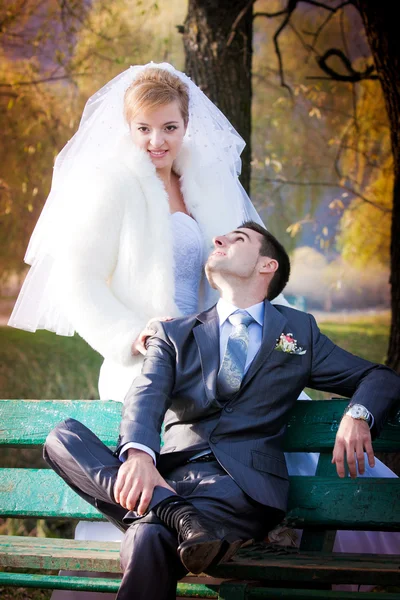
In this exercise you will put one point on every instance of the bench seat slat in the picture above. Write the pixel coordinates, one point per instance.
(314, 567)
(49, 554)
(54, 553)
(313, 501)
(312, 426)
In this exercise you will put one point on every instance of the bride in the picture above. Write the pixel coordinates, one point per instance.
(139, 192)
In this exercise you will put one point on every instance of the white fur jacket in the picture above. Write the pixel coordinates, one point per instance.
(118, 263)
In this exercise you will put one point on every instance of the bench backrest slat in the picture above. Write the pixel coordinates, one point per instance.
(312, 426)
(322, 501)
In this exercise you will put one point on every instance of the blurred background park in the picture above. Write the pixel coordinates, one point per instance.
(321, 168)
(300, 82)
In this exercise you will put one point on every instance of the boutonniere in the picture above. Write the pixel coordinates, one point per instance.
(286, 343)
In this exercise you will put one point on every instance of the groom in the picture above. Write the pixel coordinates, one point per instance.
(223, 382)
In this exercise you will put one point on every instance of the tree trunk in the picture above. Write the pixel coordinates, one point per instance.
(382, 33)
(223, 72)
(383, 36)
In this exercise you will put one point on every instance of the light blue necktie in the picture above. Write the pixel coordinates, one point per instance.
(231, 372)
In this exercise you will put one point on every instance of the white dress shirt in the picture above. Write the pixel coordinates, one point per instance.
(224, 310)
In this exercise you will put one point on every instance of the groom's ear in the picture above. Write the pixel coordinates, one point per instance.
(268, 265)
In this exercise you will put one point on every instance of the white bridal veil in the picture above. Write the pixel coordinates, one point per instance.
(215, 147)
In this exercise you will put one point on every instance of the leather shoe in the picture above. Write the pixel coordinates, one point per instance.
(201, 545)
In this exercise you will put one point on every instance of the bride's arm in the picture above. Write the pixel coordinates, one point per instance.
(88, 258)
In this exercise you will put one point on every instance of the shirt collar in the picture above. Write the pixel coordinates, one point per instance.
(225, 309)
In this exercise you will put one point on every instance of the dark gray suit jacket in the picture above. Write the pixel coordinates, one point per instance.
(178, 386)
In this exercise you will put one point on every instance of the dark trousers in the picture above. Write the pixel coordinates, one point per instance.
(149, 555)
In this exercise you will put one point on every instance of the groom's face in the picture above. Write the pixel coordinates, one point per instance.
(235, 254)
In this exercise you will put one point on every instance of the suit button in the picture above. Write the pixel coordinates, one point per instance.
(213, 439)
(229, 409)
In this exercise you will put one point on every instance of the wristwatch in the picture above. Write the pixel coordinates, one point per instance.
(358, 411)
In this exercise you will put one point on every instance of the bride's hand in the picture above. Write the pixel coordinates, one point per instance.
(139, 345)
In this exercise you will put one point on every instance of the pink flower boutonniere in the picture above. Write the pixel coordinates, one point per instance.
(286, 343)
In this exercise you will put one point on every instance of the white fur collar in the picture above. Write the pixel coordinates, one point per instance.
(138, 161)
(215, 202)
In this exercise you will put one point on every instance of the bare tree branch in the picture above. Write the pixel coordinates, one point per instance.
(291, 6)
(44, 80)
(8, 94)
(270, 15)
(326, 6)
(352, 76)
(299, 37)
(317, 33)
(11, 15)
(66, 8)
(236, 22)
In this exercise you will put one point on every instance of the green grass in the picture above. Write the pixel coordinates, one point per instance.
(45, 365)
(366, 336)
(24, 594)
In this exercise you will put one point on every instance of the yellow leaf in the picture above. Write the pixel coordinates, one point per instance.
(276, 165)
(315, 112)
(336, 204)
(294, 229)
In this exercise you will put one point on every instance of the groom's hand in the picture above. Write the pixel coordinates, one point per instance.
(137, 477)
(352, 439)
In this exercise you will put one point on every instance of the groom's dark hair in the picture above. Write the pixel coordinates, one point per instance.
(274, 249)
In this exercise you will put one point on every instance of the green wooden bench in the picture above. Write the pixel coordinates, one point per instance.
(319, 505)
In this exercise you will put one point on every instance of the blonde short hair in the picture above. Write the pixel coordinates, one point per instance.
(155, 87)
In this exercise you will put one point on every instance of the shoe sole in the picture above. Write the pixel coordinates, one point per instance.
(198, 557)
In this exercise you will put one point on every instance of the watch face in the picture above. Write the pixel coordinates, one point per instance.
(357, 411)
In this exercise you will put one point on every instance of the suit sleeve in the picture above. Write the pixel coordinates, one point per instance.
(335, 370)
(150, 394)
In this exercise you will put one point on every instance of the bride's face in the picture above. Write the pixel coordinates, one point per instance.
(159, 132)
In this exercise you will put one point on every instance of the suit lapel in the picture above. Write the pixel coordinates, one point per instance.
(274, 323)
(206, 334)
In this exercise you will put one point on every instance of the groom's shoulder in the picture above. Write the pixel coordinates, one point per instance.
(182, 325)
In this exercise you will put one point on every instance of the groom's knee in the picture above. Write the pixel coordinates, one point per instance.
(58, 439)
